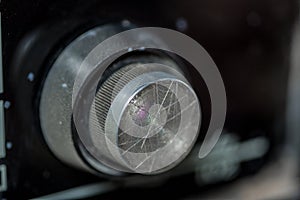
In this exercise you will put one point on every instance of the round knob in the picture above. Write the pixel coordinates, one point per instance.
(148, 115)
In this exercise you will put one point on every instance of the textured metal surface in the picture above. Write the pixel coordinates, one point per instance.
(162, 143)
(147, 118)
(56, 98)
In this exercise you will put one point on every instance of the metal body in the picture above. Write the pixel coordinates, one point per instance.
(157, 146)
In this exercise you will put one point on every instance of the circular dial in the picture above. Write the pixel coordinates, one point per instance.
(140, 117)
(148, 114)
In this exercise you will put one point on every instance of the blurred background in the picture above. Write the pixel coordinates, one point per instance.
(254, 43)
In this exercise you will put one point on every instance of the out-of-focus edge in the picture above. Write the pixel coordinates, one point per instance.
(3, 175)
